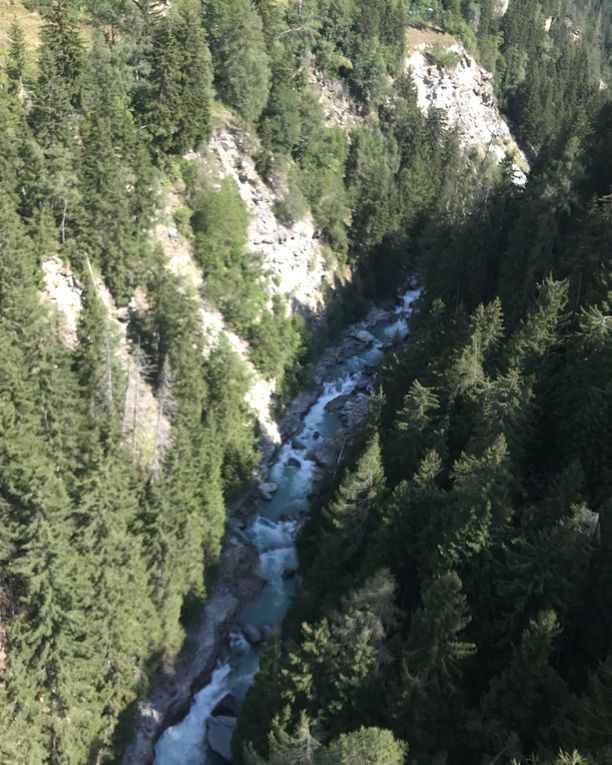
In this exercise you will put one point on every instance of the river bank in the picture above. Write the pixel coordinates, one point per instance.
(258, 560)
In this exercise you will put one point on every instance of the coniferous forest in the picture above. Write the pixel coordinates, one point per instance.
(455, 601)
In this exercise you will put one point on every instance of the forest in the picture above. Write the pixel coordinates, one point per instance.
(456, 597)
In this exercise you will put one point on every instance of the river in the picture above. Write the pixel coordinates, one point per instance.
(272, 531)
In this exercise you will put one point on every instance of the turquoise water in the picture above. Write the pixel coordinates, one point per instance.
(273, 536)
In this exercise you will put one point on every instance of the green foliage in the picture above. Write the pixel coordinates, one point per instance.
(439, 56)
(370, 746)
(16, 57)
(231, 274)
(241, 65)
(180, 81)
(457, 576)
(483, 482)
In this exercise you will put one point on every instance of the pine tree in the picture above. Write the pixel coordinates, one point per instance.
(299, 747)
(414, 434)
(339, 658)
(242, 70)
(53, 123)
(122, 624)
(481, 504)
(529, 695)
(62, 45)
(16, 57)
(349, 518)
(591, 717)
(544, 570)
(434, 654)
(96, 362)
(113, 179)
(428, 695)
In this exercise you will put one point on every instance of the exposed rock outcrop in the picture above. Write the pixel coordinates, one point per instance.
(220, 733)
(292, 253)
(500, 7)
(464, 91)
(339, 109)
(146, 429)
(62, 290)
(180, 261)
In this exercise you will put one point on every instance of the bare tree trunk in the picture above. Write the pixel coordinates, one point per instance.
(135, 417)
(63, 223)
(165, 409)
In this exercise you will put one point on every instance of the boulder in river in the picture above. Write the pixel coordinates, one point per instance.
(293, 462)
(291, 425)
(220, 733)
(355, 410)
(289, 573)
(317, 459)
(252, 634)
(227, 707)
(316, 435)
(365, 337)
(335, 405)
(297, 445)
(267, 490)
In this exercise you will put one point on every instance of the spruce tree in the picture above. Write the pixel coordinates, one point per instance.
(16, 57)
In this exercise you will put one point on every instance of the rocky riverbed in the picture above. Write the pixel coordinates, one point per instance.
(240, 579)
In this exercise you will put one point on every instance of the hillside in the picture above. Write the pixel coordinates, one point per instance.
(213, 218)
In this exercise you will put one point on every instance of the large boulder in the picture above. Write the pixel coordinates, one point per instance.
(335, 405)
(318, 460)
(355, 410)
(267, 490)
(252, 634)
(293, 462)
(365, 337)
(220, 733)
(227, 707)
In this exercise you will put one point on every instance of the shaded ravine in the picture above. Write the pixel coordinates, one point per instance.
(272, 532)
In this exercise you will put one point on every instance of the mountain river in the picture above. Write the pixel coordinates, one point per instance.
(272, 531)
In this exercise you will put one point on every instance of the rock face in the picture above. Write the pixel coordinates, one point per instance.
(220, 733)
(464, 92)
(500, 7)
(146, 432)
(339, 109)
(227, 707)
(62, 291)
(292, 253)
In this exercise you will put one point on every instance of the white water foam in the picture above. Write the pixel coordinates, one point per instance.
(185, 743)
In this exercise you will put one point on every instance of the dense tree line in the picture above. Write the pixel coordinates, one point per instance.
(102, 558)
(456, 590)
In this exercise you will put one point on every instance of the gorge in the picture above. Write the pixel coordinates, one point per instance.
(344, 372)
(261, 499)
